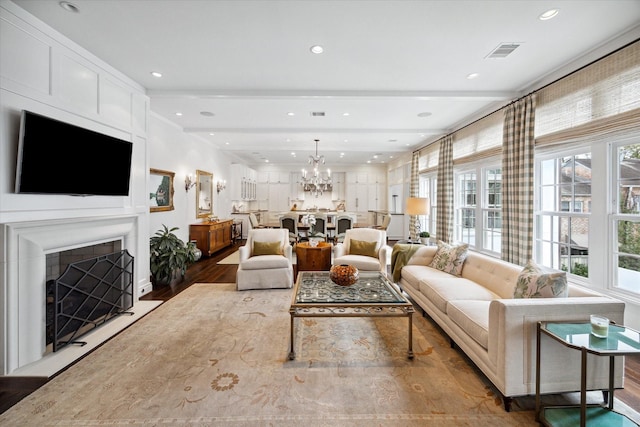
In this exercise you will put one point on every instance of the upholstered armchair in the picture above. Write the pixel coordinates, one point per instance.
(364, 248)
(265, 260)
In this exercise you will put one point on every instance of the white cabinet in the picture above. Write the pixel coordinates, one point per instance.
(337, 192)
(396, 230)
(243, 185)
(357, 197)
(297, 190)
(278, 177)
(279, 197)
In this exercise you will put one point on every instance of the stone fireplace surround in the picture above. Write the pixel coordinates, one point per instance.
(22, 308)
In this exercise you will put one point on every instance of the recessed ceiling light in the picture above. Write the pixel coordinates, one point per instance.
(226, 143)
(293, 154)
(266, 160)
(69, 7)
(211, 133)
(291, 113)
(551, 13)
(156, 74)
(207, 113)
(316, 49)
(368, 161)
(424, 114)
(472, 76)
(345, 114)
(178, 114)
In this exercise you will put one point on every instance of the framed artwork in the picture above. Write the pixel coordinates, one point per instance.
(161, 187)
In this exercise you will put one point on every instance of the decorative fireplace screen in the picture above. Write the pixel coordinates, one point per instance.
(89, 293)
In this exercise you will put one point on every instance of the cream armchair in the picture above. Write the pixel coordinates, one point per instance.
(265, 260)
(364, 248)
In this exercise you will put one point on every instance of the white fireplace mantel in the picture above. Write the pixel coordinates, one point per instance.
(22, 298)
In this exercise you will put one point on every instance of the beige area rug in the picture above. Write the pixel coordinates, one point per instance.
(213, 356)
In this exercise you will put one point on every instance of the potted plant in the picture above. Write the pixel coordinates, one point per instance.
(424, 237)
(170, 257)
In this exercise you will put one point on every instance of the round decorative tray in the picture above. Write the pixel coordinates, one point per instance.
(343, 274)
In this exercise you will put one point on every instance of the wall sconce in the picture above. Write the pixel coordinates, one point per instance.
(221, 185)
(189, 182)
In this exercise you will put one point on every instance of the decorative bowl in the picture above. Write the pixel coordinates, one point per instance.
(343, 274)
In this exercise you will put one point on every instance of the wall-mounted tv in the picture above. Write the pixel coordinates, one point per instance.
(55, 157)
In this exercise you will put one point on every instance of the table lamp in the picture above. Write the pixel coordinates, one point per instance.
(417, 206)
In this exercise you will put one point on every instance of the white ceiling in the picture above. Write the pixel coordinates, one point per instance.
(249, 63)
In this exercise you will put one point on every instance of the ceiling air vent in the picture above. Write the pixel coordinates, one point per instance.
(317, 113)
(503, 50)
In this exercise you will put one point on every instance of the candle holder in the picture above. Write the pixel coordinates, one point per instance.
(599, 326)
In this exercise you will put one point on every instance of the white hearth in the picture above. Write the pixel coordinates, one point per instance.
(22, 303)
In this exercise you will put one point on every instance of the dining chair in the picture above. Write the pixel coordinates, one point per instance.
(290, 222)
(343, 223)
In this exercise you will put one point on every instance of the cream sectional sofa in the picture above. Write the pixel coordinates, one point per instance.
(498, 333)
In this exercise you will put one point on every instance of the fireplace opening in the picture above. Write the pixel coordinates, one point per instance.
(86, 287)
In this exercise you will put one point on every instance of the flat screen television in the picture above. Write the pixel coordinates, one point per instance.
(55, 157)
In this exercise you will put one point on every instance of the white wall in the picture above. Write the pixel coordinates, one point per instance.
(173, 150)
(42, 71)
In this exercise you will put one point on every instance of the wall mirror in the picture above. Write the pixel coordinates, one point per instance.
(204, 194)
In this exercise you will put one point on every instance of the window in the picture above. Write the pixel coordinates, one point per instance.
(465, 208)
(478, 208)
(562, 223)
(492, 210)
(428, 186)
(626, 219)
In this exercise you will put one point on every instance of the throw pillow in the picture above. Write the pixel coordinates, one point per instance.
(539, 282)
(267, 248)
(360, 247)
(450, 258)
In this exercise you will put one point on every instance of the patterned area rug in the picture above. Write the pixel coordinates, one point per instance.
(215, 356)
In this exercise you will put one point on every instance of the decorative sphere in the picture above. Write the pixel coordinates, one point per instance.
(343, 274)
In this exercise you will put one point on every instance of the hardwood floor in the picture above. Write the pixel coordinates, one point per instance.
(14, 389)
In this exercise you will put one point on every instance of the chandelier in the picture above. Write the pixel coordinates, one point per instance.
(314, 182)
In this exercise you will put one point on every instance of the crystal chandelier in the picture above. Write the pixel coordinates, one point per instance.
(314, 182)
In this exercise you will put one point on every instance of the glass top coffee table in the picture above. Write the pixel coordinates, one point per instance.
(373, 295)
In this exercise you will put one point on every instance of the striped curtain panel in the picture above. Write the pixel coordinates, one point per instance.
(517, 181)
(444, 216)
(414, 191)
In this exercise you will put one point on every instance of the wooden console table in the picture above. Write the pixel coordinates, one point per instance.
(316, 258)
(211, 236)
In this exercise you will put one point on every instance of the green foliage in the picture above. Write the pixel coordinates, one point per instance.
(578, 269)
(425, 234)
(169, 255)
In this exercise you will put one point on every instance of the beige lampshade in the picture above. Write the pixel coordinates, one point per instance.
(417, 206)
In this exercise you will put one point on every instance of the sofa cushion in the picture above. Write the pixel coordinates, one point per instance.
(450, 258)
(267, 248)
(413, 274)
(473, 318)
(361, 262)
(264, 262)
(442, 290)
(540, 282)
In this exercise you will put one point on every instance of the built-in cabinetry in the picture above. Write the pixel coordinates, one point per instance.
(211, 236)
(337, 191)
(243, 183)
(365, 191)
